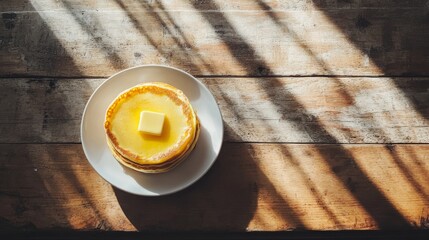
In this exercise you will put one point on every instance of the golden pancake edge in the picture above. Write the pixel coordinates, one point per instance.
(143, 152)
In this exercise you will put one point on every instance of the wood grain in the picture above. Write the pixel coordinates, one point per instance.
(247, 39)
(258, 5)
(251, 187)
(314, 109)
(351, 74)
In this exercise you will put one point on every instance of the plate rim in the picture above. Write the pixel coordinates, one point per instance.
(217, 152)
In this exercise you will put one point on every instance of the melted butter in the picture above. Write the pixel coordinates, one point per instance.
(126, 120)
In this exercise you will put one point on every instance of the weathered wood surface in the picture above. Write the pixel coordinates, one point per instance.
(250, 187)
(312, 110)
(332, 66)
(159, 5)
(208, 38)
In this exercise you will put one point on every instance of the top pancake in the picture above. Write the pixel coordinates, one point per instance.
(122, 118)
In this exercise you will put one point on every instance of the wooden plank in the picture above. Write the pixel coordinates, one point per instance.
(43, 110)
(292, 235)
(251, 187)
(257, 39)
(158, 5)
(312, 110)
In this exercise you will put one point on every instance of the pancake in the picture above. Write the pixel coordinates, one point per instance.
(153, 168)
(144, 152)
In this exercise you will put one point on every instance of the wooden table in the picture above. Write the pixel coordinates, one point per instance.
(325, 105)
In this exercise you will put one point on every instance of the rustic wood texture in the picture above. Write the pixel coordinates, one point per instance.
(208, 38)
(277, 5)
(312, 110)
(325, 105)
(250, 187)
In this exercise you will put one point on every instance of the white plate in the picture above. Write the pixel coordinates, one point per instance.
(190, 170)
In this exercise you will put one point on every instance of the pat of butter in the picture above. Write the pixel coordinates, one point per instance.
(151, 122)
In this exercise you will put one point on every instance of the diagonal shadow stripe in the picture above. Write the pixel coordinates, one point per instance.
(374, 202)
(396, 41)
(95, 33)
(403, 168)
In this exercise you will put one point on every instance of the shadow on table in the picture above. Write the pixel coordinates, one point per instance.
(225, 198)
(393, 35)
(383, 212)
(36, 193)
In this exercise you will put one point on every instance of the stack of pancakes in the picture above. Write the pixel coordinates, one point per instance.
(144, 152)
